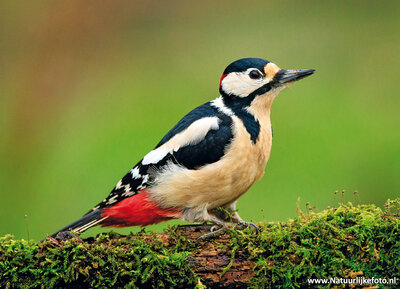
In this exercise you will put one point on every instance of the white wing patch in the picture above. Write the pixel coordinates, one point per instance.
(154, 156)
(192, 135)
(135, 173)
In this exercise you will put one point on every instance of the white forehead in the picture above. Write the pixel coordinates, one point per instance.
(240, 83)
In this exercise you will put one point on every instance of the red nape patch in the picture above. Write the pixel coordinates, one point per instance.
(137, 210)
(222, 78)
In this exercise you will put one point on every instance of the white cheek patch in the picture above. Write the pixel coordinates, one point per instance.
(192, 135)
(240, 84)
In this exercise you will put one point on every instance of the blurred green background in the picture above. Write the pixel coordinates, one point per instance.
(88, 88)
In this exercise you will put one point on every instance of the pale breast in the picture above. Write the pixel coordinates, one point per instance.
(221, 182)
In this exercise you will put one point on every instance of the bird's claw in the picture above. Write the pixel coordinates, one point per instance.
(219, 229)
(212, 234)
(214, 228)
(243, 224)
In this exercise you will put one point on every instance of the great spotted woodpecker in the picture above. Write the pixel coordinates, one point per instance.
(210, 158)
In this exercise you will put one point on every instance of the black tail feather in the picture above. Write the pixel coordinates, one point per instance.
(87, 221)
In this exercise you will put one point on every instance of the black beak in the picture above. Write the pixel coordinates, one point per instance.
(285, 76)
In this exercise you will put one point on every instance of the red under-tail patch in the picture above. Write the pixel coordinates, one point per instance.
(137, 210)
(222, 78)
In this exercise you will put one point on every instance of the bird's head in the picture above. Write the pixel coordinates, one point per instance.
(248, 78)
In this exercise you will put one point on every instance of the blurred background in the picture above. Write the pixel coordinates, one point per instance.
(87, 88)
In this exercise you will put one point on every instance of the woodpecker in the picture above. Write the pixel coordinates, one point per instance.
(210, 158)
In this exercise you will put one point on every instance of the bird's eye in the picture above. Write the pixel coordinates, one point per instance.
(255, 74)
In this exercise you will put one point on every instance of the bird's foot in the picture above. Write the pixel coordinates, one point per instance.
(213, 234)
(243, 225)
(216, 230)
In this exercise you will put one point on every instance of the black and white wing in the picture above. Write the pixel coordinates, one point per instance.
(198, 139)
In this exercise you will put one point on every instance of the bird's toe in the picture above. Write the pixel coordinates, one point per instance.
(211, 235)
(244, 224)
(214, 228)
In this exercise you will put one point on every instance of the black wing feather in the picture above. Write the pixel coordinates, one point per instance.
(207, 151)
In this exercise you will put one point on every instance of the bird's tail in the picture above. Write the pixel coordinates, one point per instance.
(89, 220)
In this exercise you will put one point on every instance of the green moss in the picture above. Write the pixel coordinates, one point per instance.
(340, 242)
(110, 260)
(343, 242)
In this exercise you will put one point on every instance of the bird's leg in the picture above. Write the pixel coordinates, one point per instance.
(221, 221)
(200, 214)
(221, 215)
(243, 224)
(229, 213)
(223, 227)
(235, 218)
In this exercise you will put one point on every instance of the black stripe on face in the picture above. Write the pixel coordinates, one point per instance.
(246, 101)
(239, 104)
(260, 91)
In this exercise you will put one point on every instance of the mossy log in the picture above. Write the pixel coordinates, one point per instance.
(342, 242)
